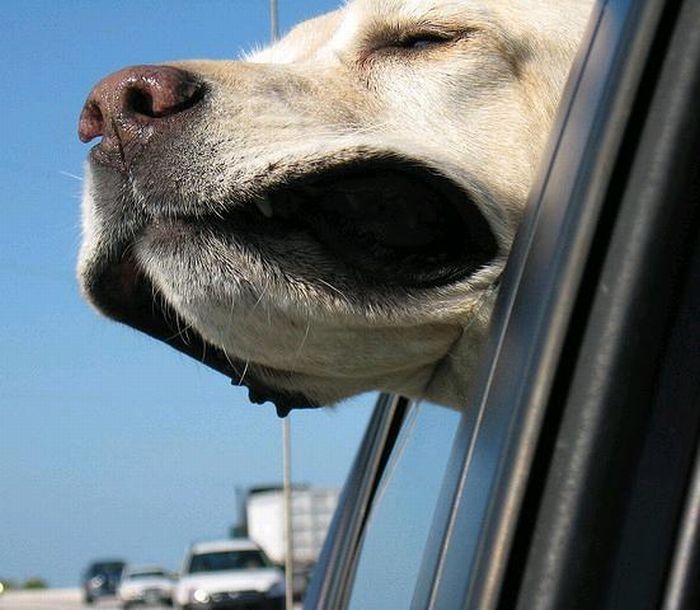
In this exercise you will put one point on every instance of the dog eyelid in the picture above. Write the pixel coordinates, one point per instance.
(419, 41)
(422, 41)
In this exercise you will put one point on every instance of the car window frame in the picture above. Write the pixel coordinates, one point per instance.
(411, 436)
(635, 454)
(552, 260)
(625, 40)
(332, 576)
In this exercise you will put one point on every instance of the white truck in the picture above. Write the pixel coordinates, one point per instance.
(312, 510)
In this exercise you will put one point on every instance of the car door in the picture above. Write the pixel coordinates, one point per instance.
(570, 480)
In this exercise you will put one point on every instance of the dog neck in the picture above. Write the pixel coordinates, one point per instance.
(452, 378)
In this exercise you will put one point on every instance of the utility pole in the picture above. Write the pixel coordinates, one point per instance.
(274, 27)
(289, 533)
(286, 435)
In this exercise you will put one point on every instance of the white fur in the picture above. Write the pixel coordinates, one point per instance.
(477, 109)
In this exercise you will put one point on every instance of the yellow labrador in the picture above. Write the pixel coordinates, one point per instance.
(331, 214)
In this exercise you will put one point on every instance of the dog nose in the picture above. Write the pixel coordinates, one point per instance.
(123, 104)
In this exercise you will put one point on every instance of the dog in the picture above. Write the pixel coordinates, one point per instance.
(331, 214)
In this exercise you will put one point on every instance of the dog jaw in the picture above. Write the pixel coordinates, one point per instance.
(189, 242)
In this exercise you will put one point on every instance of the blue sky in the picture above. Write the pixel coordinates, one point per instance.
(110, 443)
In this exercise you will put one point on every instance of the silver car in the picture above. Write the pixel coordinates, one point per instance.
(145, 585)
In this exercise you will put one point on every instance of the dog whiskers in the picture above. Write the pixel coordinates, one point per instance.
(304, 338)
(245, 370)
(230, 312)
(228, 359)
(171, 319)
(333, 288)
(263, 292)
(182, 332)
(64, 173)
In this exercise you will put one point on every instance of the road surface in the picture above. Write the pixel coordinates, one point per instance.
(61, 599)
(55, 599)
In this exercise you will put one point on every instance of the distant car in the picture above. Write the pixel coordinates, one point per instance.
(229, 574)
(145, 585)
(101, 579)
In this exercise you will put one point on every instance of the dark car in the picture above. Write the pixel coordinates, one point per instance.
(571, 479)
(101, 579)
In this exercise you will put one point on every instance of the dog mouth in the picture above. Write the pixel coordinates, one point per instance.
(384, 224)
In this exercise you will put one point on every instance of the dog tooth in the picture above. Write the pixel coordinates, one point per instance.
(265, 207)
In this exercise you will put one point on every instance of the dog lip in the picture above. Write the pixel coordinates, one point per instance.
(389, 221)
(108, 156)
(284, 402)
(123, 292)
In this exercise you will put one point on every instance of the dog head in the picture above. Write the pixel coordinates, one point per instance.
(331, 214)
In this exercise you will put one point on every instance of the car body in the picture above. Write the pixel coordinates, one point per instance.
(101, 579)
(145, 585)
(571, 479)
(229, 574)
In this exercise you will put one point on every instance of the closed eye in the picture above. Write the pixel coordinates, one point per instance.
(422, 41)
(417, 42)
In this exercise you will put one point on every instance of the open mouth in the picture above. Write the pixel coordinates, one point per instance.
(384, 224)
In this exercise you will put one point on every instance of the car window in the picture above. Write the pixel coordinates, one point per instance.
(107, 568)
(399, 522)
(227, 560)
(145, 575)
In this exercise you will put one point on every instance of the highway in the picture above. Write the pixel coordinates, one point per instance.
(61, 599)
(54, 599)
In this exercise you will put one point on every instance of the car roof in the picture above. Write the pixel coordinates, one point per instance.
(230, 544)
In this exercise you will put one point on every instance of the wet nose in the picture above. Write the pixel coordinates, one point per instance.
(121, 105)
